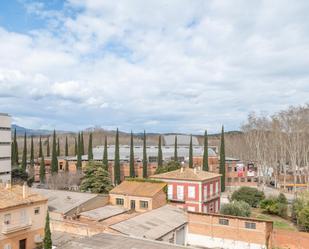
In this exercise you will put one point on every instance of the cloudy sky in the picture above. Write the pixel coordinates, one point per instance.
(172, 65)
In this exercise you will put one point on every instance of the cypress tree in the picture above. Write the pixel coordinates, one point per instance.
(160, 159)
(205, 155)
(58, 147)
(117, 160)
(90, 153)
(145, 162)
(105, 155)
(76, 146)
(82, 148)
(222, 161)
(191, 153)
(24, 158)
(42, 168)
(47, 148)
(13, 150)
(175, 150)
(16, 156)
(47, 242)
(132, 170)
(54, 160)
(40, 148)
(12, 153)
(79, 155)
(66, 149)
(31, 153)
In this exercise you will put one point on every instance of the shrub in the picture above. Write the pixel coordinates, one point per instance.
(300, 211)
(250, 195)
(170, 166)
(275, 205)
(236, 208)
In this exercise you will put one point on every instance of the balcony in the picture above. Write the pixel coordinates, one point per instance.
(16, 226)
(211, 197)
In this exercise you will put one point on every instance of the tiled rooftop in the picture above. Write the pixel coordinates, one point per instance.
(187, 174)
(13, 197)
(136, 188)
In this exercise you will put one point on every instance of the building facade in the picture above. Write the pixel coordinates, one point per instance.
(5, 148)
(22, 217)
(193, 189)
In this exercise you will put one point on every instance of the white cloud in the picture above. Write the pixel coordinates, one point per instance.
(158, 65)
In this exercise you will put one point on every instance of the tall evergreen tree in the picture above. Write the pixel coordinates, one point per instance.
(47, 148)
(40, 147)
(79, 154)
(132, 169)
(82, 148)
(160, 159)
(14, 150)
(191, 153)
(90, 153)
(24, 158)
(54, 160)
(205, 155)
(117, 160)
(66, 149)
(145, 161)
(31, 153)
(222, 161)
(76, 146)
(175, 150)
(47, 242)
(42, 168)
(105, 155)
(58, 147)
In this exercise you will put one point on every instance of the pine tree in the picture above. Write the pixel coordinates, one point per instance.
(205, 155)
(191, 153)
(160, 159)
(222, 161)
(58, 147)
(79, 154)
(90, 153)
(40, 148)
(54, 160)
(76, 147)
(24, 158)
(175, 150)
(47, 242)
(117, 160)
(82, 148)
(132, 169)
(145, 162)
(47, 148)
(66, 149)
(42, 169)
(105, 155)
(31, 153)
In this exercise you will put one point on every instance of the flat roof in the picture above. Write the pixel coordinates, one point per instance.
(138, 188)
(103, 213)
(153, 224)
(64, 201)
(187, 174)
(13, 197)
(113, 241)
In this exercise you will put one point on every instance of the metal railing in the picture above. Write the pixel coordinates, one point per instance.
(16, 226)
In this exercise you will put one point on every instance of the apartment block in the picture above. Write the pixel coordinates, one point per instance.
(22, 217)
(193, 189)
(5, 148)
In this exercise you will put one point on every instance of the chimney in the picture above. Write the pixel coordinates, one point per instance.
(181, 169)
(25, 190)
(194, 170)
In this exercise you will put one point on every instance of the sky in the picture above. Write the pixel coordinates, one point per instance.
(163, 66)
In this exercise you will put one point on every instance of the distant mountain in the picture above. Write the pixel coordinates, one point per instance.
(20, 131)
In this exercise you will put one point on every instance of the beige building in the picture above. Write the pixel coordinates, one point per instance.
(5, 147)
(139, 196)
(22, 217)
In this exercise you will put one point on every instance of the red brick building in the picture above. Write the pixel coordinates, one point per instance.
(193, 189)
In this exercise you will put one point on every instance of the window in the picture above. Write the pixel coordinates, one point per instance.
(143, 204)
(205, 192)
(249, 179)
(191, 192)
(153, 159)
(242, 179)
(255, 179)
(7, 246)
(119, 201)
(235, 179)
(229, 179)
(191, 209)
(211, 190)
(224, 222)
(217, 187)
(7, 219)
(250, 225)
(217, 206)
(229, 169)
(37, 210)
(170, 192)
(180, 192)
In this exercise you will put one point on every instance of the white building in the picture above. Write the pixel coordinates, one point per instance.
(5, 147)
